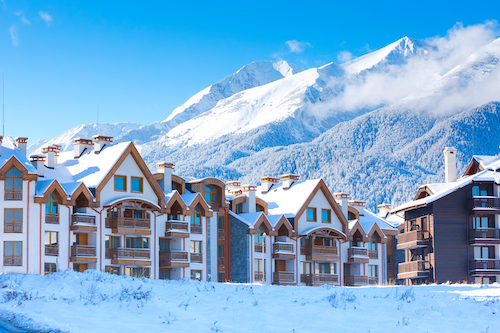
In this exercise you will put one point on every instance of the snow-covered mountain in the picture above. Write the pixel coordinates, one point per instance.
(373, 127)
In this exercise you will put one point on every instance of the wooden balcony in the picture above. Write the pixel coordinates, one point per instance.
(176, 229)
(486, 203)
(357, 254)
(196, 258)
(373, 254)
(372, 280)
(485, 267)
(83, 253)
(129, 225)
(283, 250)
(221, 262)
(51, 218)
(13, 227)
(283, 278)
(221, 234)
(320, 253)
(356, 280)
(13, 260)
(83, 222)
(174, 259)
(413, 239)
(196, 229)
(13, 195)
(259, 247)
(51, 250)
(319, 279)
(414, 269)
(484, 236)
(259, 276)
(127, 256)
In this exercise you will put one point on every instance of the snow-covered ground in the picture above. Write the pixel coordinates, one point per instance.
(97, 302)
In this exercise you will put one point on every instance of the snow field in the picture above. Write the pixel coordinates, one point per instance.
(98, 302)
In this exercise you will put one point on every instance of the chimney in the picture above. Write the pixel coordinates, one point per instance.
(450, 164)
(50, 152)
(101, 141)
(21, 144)
(342, 200)
(288, 179)
(1, 139)
(166, 169)
(80, 146)
(266, 183)
(233, 187)
(38, 162)
(384, 209)
(359, 205)
(250, 205)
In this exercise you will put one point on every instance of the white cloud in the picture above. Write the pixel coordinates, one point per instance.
(344, 56)
(14, 34)
(46, 17)
(24, 20)
(295, 46)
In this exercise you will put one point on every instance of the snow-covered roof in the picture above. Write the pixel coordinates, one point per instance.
(42, 186)
(10, 150)
(488, 162)
(288, 201)
(238, 217)
(251, 218)
(308, 231)
(369, 219)
(114, 201)
(189, 198)
(274, 219)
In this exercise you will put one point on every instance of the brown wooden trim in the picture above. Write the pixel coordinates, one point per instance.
(262, 203)
(174, 264)
(199, 200)
(237, 201)
(130, 262)
(376, 229)
(82, 259)
(284, 221)
(262, 220)
(177, 234)
(82, 189)
(356, 227)
(176, 197)
(130, 231)
(14, 162)
(283, 256)
(54, 187)
(82, 228)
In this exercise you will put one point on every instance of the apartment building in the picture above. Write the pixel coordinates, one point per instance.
(451, 230)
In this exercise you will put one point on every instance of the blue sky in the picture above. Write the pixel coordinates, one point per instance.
(139, 60)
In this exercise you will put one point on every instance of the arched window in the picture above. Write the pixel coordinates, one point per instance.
(259, 236)
(52, 210)
(210, 193)
(13, 185)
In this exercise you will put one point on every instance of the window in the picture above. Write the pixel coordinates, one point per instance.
(306, 267)
(112, 212)
(196, 221)
(372, 245)
(112, 242)
(373, 270)
(195, 274)
(164, 245)
(137, 242)
(50, 268)
(51, 243)
(136, 184)
(137, 272)
(13, 185)
(259, 265)
(326, 216)
(311, 214)
(259, 236)
(51, 207)
(480, 222)
(195, 246)
(239, 208)
(112, 270)
(164, 274)
(13, 254)
(13, 220)
(305, 241)
(210, 193)
(136, 214)
(220, 251)
(120, 183)
(323, 268)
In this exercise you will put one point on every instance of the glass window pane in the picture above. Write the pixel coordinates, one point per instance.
(8, 184)
(18, 215)
(18, 183)
(119, 183)
(8, 215)
(7, 248)
(18, 248)
(145, 243)
(10, 172)
(137, 184)
(16, 172)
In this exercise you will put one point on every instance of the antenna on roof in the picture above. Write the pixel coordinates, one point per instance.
(3, 106)
(97, 127)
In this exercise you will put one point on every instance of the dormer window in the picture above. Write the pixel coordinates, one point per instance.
(52, 210)
(121, 183)
(210, 193)
(13, 185)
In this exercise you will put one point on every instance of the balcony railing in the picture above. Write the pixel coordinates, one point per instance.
(412, 236)
(83, 251)
(353, 280)
(13, 260)
(319, 278)
(487, 264)
(260, 276)
(177, 225)
(259, 247)
(319, 250)
(127, 253)
(484, 234)
(13, 195)
(220, 234)
(127, 222)
(357, 252)
(196, 229)
(51, 218)
(282, 247)
(10, 227)
(221, 262)
(283, 277)
(51, 250)
(173, 256)
(413, 266)
(196, 258)
(82, 218)
(372, 280)
(373, 254)
(486, 202)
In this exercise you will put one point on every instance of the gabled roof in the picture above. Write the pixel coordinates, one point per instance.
(12, 155)
(45, 188)
(175, 197)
